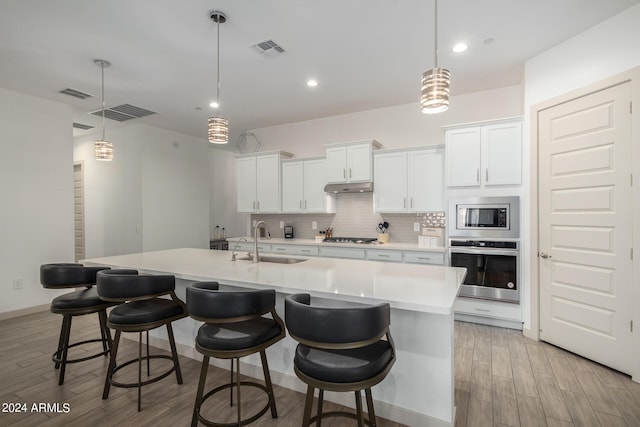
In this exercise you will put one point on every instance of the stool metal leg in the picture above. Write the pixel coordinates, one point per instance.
(200, 392)
(238, 390)
(65, 347)
(231, 388)
(105, 332)
(112, 364)
(370, 410)
(308, 403)
(174, 353)
(359, 408)
(148, 359)
(58, 354)
(140, 369)
(267, 380)
(320, 402)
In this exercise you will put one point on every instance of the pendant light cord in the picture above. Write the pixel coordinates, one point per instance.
(218, 65)
(435, 22)
(103, 104)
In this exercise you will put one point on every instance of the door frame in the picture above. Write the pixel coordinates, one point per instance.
(632, 76)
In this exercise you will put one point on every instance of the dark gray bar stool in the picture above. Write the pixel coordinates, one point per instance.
(340, 349)
(234, 327)
(140, 310)
(81, 302)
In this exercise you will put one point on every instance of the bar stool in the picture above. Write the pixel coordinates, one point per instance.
(140, 310)
(81, 302)
(234, 327)
(340, 349)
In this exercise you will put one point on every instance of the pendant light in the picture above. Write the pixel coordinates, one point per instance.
(218, 125)
(435, 82)
(103, 149)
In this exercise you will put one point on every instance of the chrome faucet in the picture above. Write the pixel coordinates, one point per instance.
(233, 252)
(255, 239)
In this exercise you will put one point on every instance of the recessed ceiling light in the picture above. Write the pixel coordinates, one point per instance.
(312, 83)
(214, 104)
(459, 47)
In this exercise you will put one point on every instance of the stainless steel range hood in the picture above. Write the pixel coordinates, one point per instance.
(356, 187)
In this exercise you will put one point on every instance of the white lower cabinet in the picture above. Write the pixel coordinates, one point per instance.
(490, 309)
(342, 252)
(419, 257)
(384, 255)
(248, 246)
(295, 250)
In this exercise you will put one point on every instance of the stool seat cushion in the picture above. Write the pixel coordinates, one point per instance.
(237, 336)
(85, 298)
(144, 311)
(343, 366)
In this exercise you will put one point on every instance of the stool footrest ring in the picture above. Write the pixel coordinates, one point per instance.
(324, 415)
(58, 359)
(242, 422)
(143, 383)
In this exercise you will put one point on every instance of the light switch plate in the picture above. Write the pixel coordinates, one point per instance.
(314, 225)
(281, 224)
(416, 226)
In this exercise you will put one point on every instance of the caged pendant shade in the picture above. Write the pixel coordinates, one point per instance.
(103, 150)
(218, 128)
(435, 82)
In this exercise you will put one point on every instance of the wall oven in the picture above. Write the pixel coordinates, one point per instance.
(483, 238)
(492, 268)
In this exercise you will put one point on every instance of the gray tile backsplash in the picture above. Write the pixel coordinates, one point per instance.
(354, 217)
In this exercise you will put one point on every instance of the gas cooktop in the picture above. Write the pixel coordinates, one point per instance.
(362, 240)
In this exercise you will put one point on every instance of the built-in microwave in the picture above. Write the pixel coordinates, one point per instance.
(489, 217)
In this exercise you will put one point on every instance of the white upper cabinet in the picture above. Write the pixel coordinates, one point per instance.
(258, 182)
(350, 162)
(409, 181)
(303, 184)
(484, 155)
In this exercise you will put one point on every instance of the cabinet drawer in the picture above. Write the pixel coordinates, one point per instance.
(337, 252)
(413, 257)
(248, 246)
(384, 255)
(295, 250)
(493, 309)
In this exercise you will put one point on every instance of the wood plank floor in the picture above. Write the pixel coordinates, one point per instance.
(502, 379)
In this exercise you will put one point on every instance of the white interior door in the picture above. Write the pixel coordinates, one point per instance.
(585, 226)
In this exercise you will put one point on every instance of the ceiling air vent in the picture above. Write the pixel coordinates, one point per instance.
(75, 93)
(123, 112)
(268, 47)
(82, 126)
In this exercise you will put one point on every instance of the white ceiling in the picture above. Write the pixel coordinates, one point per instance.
(365, 53)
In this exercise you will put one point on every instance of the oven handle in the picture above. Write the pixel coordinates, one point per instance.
(483, 251)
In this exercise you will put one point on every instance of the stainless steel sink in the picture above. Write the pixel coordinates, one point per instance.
(274, 259)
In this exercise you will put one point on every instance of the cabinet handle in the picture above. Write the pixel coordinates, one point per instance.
(478, 175)
(305, 250)
(404, 202)
(483, 309)
(382, 256)
(254, 205)
(486, 175)
(344, 173)
(411, 202)
(258, 204)
(349, 172)
(305, 204)
(300, 204)
(426, 258)
(279, 249)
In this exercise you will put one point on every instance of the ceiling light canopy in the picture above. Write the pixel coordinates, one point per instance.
(103, 149)
(218, 126)
(435, 82)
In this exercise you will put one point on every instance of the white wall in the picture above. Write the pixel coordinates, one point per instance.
(394, 127)
(606, 49)
(36, 187)
(154, 194)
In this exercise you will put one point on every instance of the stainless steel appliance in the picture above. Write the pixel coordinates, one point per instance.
(288, 232)
(491, 217)
(361, 240)
(492, 268)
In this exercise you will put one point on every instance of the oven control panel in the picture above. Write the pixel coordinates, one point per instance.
(484, 244)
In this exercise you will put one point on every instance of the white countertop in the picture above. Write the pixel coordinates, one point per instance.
(424, 288)
(376, 245)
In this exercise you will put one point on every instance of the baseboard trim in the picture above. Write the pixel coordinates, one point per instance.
(23, 312)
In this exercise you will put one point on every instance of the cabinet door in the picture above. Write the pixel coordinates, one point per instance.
(314, 179)
(268, 183)
(390, 182)
(293, 187)
(502, 145)
(337, 164)
(359, 163)
(246, 184)
(463, 157)
(426, 181)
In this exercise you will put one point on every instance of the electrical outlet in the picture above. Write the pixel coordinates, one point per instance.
(416, 226)
(281, 224)
(314, 225)
(18, 283)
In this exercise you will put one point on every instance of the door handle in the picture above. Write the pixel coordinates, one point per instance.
(544, 255)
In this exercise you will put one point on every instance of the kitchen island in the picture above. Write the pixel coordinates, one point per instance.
(419, 390)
